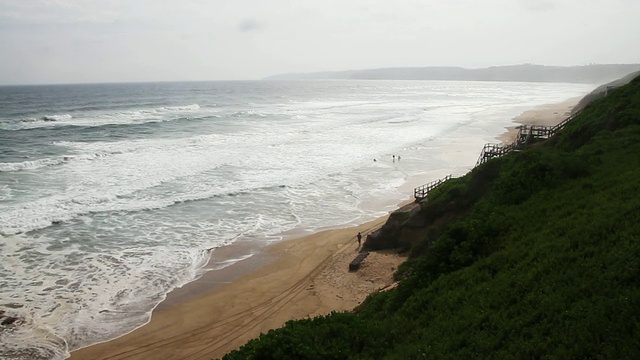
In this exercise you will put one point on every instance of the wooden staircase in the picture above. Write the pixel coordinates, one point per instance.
(421, 192)
(526, 134)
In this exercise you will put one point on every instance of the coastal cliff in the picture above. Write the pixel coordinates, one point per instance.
(534, 254)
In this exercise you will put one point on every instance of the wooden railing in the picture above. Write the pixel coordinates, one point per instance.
(421, 191)
(526, 134)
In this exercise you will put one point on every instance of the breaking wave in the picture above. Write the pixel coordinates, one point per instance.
(122, 117)
(64, 117)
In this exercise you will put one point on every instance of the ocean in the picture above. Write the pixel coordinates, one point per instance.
(112, 195)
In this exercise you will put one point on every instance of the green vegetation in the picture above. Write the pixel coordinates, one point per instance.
(533, 255)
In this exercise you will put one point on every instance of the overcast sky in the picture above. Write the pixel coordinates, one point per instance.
(70, 41)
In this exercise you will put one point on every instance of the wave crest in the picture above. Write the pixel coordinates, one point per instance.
(41, 163)
(57, 117)
(117, 117)
(191, 107)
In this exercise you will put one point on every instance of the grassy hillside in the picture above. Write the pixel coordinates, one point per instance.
(602, 90)
(533, 255)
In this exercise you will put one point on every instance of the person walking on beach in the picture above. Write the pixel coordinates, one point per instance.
(359, 236)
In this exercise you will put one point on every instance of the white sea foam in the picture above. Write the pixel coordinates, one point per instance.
(57, 117)
(5, 192)
(191, 107)
(228, 262)
(92, 119)
(135, 175)
(116, 288)
(30, 164)
(53, 161)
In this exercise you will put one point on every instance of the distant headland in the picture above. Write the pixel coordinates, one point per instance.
(588, 74)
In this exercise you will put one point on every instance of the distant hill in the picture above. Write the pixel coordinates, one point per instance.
(588, 74)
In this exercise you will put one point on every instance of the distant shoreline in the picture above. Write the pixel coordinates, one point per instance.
(586, 74)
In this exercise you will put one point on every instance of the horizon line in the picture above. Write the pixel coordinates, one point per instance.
(311, 72)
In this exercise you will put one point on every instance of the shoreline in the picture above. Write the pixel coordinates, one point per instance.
(223, 315)
(294, 278)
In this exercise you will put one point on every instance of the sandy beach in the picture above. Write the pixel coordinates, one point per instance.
(299, 278)
(292, 279)
(547, 115)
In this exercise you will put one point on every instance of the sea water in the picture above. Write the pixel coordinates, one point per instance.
(112, 195)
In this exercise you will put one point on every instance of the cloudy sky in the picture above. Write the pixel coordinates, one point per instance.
(71, 41)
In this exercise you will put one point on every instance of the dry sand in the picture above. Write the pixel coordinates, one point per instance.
(293, 279)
